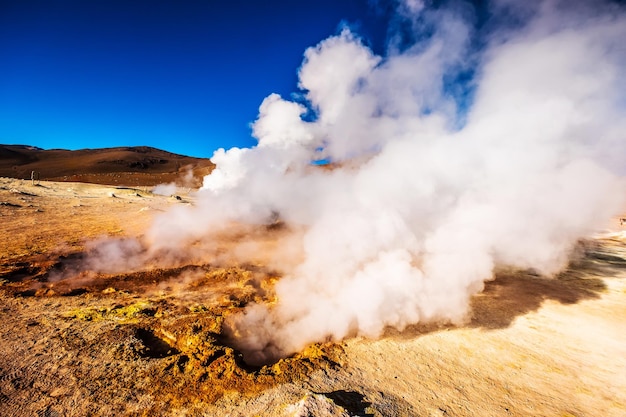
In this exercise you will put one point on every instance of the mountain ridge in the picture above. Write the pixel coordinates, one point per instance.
(123, 165)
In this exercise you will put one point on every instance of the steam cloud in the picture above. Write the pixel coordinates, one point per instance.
(459, 151)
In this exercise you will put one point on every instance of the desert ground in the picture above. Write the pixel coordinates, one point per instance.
(150, 342)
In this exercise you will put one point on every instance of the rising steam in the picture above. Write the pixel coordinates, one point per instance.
(465, 148)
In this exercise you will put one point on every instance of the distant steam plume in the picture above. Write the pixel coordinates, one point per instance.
(463, 149)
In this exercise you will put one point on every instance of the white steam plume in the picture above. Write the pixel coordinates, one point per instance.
(414, 229)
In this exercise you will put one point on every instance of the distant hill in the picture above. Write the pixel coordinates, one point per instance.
(132, 166)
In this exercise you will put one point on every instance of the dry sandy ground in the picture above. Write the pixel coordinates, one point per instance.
(150, 341)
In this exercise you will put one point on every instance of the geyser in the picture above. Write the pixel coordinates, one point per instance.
(464, 148)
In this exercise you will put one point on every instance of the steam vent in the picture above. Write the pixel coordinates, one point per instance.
(426, 216)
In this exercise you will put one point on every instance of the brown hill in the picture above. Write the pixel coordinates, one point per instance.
(134, 166)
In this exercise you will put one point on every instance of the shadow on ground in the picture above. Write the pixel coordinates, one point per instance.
(516, 293)
(354, 402)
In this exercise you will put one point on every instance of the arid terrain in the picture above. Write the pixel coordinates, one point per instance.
(150, 341)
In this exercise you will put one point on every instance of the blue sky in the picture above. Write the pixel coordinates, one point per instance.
(184, 76)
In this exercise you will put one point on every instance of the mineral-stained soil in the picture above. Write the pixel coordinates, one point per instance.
(151, 341)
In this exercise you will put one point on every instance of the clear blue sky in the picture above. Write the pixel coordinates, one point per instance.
(184, 76)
